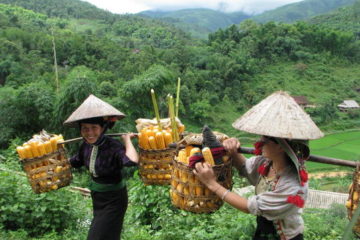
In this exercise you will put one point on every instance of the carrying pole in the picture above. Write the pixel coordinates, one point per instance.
(80, 138)
(312, 158)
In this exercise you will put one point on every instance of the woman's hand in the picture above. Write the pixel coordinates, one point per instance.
(205, 173)
(130, 149)
(231, 145)
(128, 136)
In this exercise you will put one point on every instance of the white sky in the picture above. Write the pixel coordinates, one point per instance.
(135, 6)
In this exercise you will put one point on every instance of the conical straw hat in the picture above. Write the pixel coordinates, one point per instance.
(278, 115)
(90, 108)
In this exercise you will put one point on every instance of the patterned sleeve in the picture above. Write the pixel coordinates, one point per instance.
(76, 160)
(249, 169)
(124, 160)
(274, 205)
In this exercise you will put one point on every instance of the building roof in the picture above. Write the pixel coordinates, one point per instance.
(349, 104)
(301, 100)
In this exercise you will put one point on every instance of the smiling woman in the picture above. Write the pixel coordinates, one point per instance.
(278, 173)
(104, 157)
(91, 132)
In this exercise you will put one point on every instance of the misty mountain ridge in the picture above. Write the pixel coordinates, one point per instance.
(301, 10)
(204, 21)
(207, 20)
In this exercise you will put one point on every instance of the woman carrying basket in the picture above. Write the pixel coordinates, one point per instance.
(104, 157)
(278, 172)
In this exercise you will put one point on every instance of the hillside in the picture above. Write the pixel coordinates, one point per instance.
(120, 61)
(301, 10)
(343, 19)
(62, 8)
(199, 22)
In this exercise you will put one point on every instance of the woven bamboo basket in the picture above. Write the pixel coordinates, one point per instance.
(353, 200)
(189, 194)
(48, 172)
(155, 166)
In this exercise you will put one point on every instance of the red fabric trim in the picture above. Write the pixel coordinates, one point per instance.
(303, 176)
(216, 152)
(263, 170)
(195, 159)
(258, 147)
(296, 200)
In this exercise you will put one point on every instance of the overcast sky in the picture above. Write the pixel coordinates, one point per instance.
(135, 6)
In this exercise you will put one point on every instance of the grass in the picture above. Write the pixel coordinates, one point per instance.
(338, 145)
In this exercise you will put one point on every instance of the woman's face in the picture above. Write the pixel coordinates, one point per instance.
(271, 149)
(91, 132)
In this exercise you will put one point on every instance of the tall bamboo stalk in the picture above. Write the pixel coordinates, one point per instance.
(177, 98)
(172, 119)
(55, 62)
(156, 109)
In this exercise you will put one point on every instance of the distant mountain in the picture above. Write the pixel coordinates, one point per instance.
(62, 8)
(344, 19)
(301, 10)
(199, 22)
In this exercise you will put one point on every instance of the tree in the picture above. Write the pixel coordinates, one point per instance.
(136, 93)
(80, 83)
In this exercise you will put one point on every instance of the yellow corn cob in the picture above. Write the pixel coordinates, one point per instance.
(28, 153)
(168, 139)
(41, 149)
(188, 150)
(199, 191)
(186, 190)
(180, 188)
(182, 156)
(48, 147)
(21, 151)
(143, 141)
(181, 128)
(160, 143)
(184, 177)
(194, 150)
(225, 158)
(355, 196)
(174, 183)
(206, 152)
(33, 147)
(140, 137)
(150, 133)
(152, 142)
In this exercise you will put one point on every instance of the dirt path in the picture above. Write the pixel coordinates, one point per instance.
(329, 174)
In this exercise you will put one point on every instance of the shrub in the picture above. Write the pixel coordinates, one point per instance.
(37, 214)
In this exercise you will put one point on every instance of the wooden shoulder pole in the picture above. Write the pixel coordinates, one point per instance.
(313, 158)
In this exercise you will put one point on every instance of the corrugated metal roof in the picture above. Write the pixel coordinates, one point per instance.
(349, 104)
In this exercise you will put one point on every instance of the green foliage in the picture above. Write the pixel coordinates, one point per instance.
(301, 10)
(344, 19)
(35, 214)
(80, 83)
(198, 22)
(26, 110)
(63, 9)
(136, 93)
(325, 223)
(338, 145)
